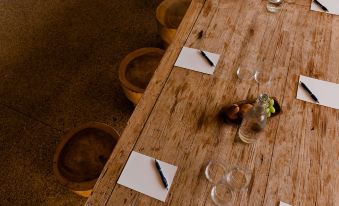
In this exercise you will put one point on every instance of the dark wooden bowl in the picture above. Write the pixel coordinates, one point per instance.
(82, 154)
(238, 120)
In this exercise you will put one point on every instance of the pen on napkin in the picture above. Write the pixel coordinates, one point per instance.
(309, 92)
(163, 178)
(206, 57)
(320, 5)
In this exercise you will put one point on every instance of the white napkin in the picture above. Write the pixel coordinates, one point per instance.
(284, 204)
(192, 59)
(140, 174)
(326, 92)
(331, 5)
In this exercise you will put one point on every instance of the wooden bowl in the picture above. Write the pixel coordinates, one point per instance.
(82, 154)
(225, 110)
(137, 69)
(169, 14)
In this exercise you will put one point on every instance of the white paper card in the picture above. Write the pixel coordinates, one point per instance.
(331, 5)
(192, 59)
(140, 174)
(284, 204)
(326, 92)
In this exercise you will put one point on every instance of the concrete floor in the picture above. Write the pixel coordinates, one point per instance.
(58, 69)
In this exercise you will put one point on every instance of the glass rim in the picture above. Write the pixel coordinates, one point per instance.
(216, 196)
(266, 80)
(244, 170)
(249, 73)
(218, 164)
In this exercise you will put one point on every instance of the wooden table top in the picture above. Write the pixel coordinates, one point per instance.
(176, 121)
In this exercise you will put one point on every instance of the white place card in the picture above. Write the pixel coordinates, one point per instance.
(141, 174)
(192, 59)
(326, 92)
(284, 204)
(331, 5)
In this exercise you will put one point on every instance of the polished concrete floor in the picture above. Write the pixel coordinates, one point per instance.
(58, 69)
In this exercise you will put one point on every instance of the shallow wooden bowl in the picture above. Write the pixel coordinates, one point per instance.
(82, 154)
(137, 69)
(238, 120)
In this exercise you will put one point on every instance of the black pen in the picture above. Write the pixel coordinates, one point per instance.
(163, 178)
(206, 57)
(309, 92)
(321, 6)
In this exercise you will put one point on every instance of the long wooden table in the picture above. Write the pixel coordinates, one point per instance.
(176, 121)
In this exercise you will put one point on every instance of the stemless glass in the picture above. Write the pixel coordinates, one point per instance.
(222, 194)
(215, 171)
(238, 178)
(274, 6)
(263, 76)
(245, 73)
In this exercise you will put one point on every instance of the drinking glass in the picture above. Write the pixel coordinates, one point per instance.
(222, 194)
(215, 171)
(245, 73)
(274, 6)
(262, 76)
(238, 178)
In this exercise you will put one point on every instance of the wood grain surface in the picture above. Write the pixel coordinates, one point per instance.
(176, 121)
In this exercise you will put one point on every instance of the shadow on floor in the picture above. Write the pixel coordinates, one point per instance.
(58, 69)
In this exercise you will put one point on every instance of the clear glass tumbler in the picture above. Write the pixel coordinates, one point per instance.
(263, 76)
(222, 194)
(215, 171)
(245, 73)
(274, 6)
(238, 178)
